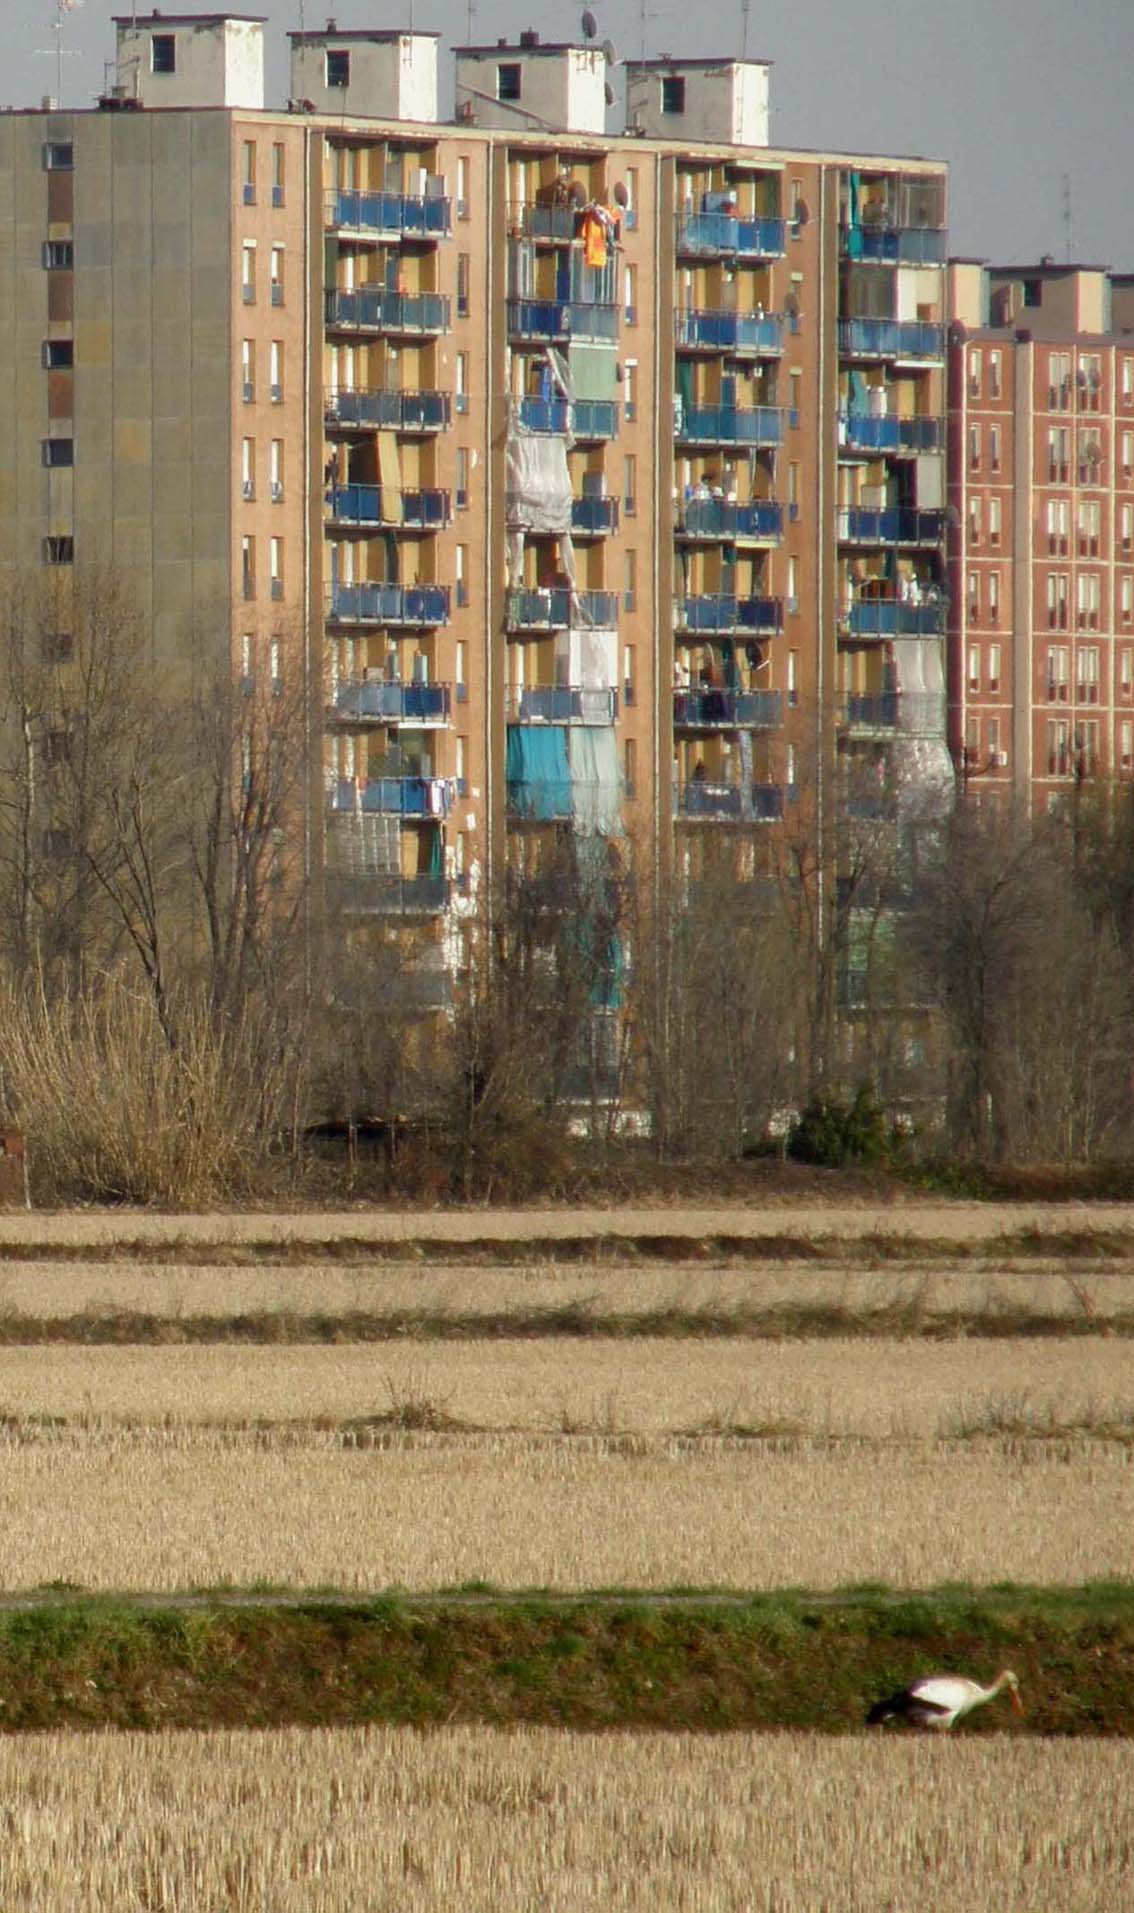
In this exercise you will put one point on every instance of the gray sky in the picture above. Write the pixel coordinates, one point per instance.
(1015, 94)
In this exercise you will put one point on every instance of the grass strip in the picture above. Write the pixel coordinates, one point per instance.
(694, 1661)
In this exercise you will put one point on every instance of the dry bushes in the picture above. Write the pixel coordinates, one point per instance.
(494, 1822)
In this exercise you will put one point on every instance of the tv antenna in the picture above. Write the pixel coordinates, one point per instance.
(744, 7)
(1068, 221)
(589, 25)
(59, 52)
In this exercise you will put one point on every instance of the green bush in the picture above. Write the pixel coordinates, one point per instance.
(834, 1134)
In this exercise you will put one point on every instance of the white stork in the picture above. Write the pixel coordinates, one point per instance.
(942, 1699)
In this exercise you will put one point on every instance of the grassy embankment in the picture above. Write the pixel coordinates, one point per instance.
(703, 1663)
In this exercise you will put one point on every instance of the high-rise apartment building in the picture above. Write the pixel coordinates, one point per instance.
(1041, 420)
(591, 485)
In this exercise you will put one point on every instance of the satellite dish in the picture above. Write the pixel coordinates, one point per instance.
(589, 24)
(577, 193)
(620, 195)
(802, 213)
(608, 53)
(609, 92)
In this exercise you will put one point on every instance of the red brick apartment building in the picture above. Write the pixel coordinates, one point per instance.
(1041, 544)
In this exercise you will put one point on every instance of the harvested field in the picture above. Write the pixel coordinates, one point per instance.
(169, 1508)
(356, 1822)
(889, 1391)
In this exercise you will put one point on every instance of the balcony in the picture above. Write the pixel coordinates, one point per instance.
(897, 526)
(547, 225)
(890, 339)
(860, 432)
(870, 711)
(423, 797)
(387, 411)
(376, 894)
(556, 608)
(725, 614)
(731, 803)
(735, 333)
(896, 245)
(560, 704)
(551, 320)
(712, 235)
(358, 700)
(389, 215)
(890, 618)
(412, 606)
(405, 314)
(366, 505)
(586, 420)
(594, 517)
(729, 424)
(720, 520)
(727, 710)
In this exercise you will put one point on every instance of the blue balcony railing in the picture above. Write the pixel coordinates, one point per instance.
(394, 215)
(735, 332)
(729, 424)
(896, 526)
(730, 518)
(374, 310)
(890, 618)
(561, 704)
(890, 339)
(871, 710)
(708, 234)
(412, 605)
(586, 419)
(552, 319)
(426, 510)
(896, 245)
(554, 608)
(723, 612)
(727, 710)
(862, 433)
(739, 803)
(594, 517)
(394, 796)
(554, 223)
(393, 703)
(391, 411)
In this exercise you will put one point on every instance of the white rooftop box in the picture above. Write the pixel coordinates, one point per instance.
(380, 74)
(191, 59)
(723, 102)
(529, 87)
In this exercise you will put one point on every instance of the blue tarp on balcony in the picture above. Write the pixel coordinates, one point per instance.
(537, 772)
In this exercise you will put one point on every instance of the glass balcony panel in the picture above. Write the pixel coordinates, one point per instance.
(720, 331)
(710, 233)
(393, 702)
(860, 431)
(412, 605)
(729, 424)
(727, 710)
(396, 411)
(890, 618)
(725, 518)
(375, 310)
(890, 339)
(399, 215)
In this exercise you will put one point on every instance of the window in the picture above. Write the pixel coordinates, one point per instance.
(248, 567)
(994, 601)
(462, 478)
(462, 393)
(275, 666)
(1087, 748)
(793, 491)
(1126, 673)
(793, 677)
(1057, 601)
(793, 585)
(1126, 598)
(462, 574)
(994, 649)
(1090, 382)
(1090, 527)
(462, 285)
(58, 255)
(994, 448)
(630, 294)
(974, 519)
(992, 732)
(974, 596)
(1128, 454)
(462, 186)
(248, 272)
(58, 156)
(1057, 674)
(275, 471)
(630, 211)
(246, 645)
(163, 53)
(58, 354)
(277, 278)
(1090, 455)
(275, 566)
(629, 765)
(1088, 597)
(1058, 526)
(629, 673)
(1087, 674)
(1059, 381)
(59, 549)
(672, 93)
(276, 370)
(994, 375)
(1032, 292)
(462, 671)
(994, 508)
(1058, 454)
(57, 647)
(630, 485)
(974, 667)
(248, 171)
(248, 467)
(58, 452)
(630, 388)
(248, 369)
(629, 580)
(279, 173)
(976, 374)
(338, 67)
(974, 448)
(1126, 743)
(509, 80)
(1126, 527)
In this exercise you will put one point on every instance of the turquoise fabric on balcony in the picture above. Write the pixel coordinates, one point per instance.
(537, 772)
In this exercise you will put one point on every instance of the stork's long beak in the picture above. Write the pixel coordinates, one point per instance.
(1014, 1697)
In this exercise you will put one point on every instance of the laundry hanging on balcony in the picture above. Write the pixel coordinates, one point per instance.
(537, 482)
(596, 786)
(923, 768)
